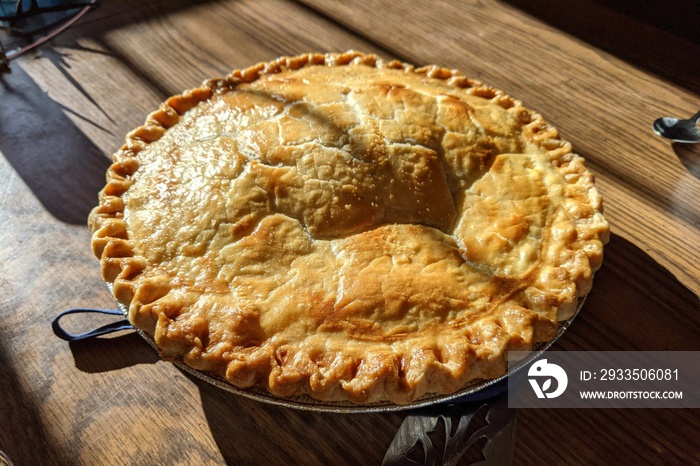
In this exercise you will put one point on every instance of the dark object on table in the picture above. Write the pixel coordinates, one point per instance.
(35, 22)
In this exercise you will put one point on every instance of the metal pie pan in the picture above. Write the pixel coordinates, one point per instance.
(479, 390)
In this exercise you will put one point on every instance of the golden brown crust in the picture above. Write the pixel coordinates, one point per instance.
(347, 227)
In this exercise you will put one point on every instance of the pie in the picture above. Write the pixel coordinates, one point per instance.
(345, 227)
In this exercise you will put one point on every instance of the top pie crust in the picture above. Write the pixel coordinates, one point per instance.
(347, 227)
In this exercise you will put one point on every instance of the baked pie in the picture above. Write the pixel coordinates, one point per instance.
(348, 228)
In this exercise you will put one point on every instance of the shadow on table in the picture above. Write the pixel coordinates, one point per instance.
(689, 155)
(635, 305)
(251, 432)
(657, 36)
(61, 166)
(112, 353)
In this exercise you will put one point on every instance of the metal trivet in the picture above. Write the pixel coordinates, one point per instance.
(443, 434)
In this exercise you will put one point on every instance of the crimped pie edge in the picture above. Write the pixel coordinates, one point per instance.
(121, 267)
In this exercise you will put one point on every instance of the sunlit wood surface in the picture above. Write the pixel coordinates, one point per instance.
(599, 75)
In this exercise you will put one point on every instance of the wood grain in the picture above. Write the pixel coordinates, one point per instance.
(112, 401)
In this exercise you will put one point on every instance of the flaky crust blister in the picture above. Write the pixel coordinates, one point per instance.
(347, 227)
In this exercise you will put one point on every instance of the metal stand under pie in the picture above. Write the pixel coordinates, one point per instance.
(444, 434)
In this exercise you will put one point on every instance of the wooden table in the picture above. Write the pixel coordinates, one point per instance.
(600, 75)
